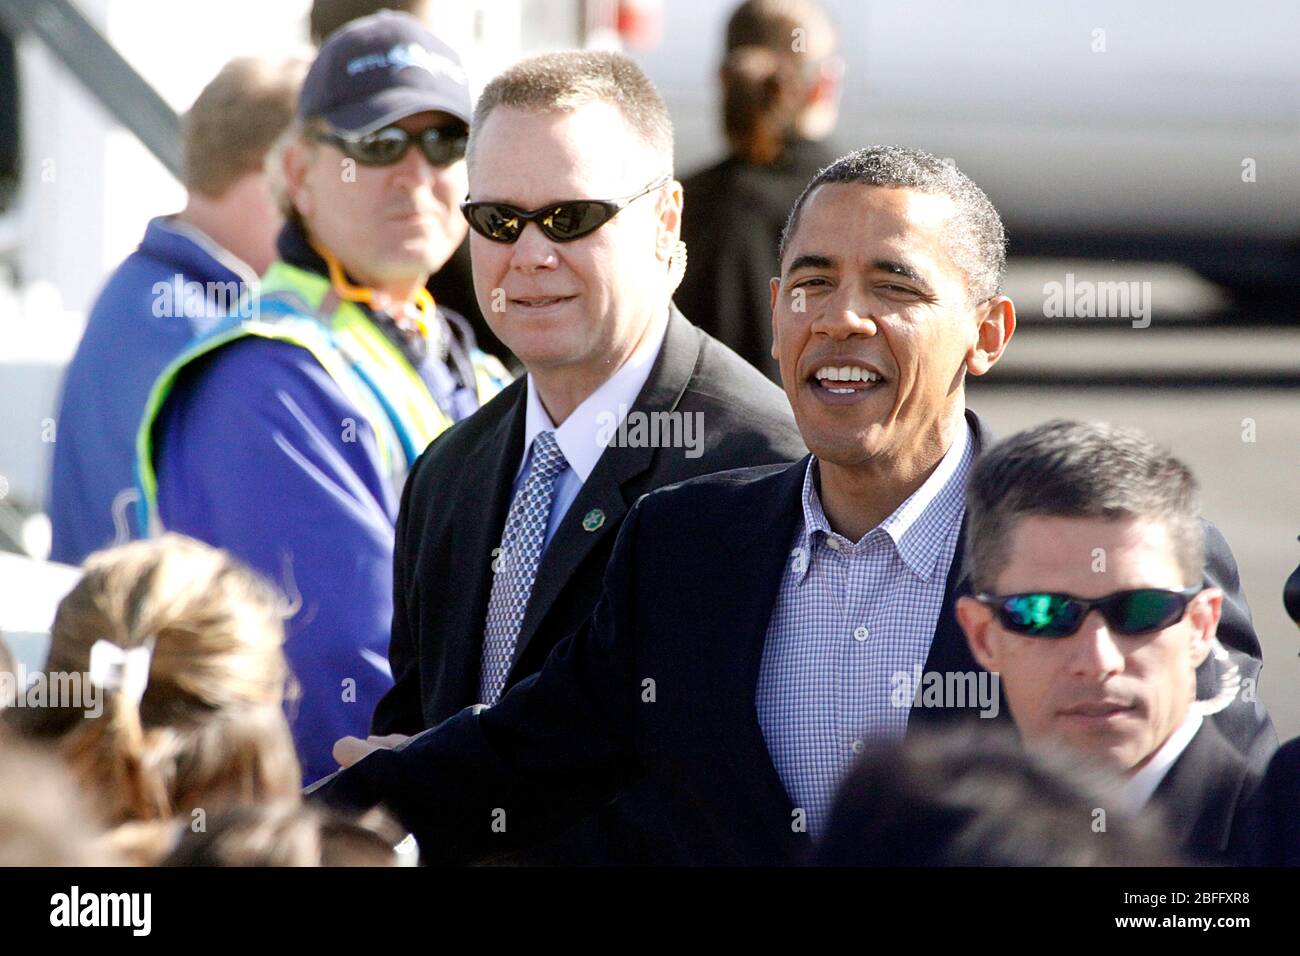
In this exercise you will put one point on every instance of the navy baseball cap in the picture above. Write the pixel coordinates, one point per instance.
(380, 68)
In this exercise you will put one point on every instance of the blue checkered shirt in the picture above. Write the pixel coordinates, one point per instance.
(848, 617)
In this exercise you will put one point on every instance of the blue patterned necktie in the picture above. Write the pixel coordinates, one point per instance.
(516, 565)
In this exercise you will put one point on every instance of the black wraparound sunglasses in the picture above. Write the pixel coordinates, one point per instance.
(441, 146)
(562, 221)
(1046, 614)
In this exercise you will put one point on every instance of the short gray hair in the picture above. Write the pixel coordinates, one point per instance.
(301, 133)
(977, 241)
(567, 80)
(1066, 469)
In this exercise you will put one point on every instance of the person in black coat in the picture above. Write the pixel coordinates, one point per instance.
(1271, 829)
(780, 81)
(1273, 815)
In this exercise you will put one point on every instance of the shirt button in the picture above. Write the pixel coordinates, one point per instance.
(833, 543)
(860, 633)
(858, 746)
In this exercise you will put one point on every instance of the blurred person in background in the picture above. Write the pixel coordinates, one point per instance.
(968, 797)
(780, 98)
(1088, 557)
(327, 16)
(191, 270)
(290, 833)
(452, 286)
(44, 821)
(286, 438)
(178, 653)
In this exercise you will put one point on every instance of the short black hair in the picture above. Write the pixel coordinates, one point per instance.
(1069, 469)
(972, 796)
(977, 240)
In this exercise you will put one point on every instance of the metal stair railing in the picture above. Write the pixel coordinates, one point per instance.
(82, 49)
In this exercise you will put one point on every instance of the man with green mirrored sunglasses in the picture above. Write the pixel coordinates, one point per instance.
(1087, 554)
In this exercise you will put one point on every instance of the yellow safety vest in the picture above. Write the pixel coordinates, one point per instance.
(291, 306)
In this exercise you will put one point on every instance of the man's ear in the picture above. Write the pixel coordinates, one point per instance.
(976, 622)
(1203, 614)
(997, 323)
(775, 285)
(294, 163)
(669, 209)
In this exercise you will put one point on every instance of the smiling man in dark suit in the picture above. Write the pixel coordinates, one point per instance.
(623, 395)
(753, 624)
(1087, 554)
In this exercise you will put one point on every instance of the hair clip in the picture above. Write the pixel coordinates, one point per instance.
(114, 668)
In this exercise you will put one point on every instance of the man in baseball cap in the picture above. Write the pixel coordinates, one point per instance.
(285, 437)
(380, 69)
(379, 86)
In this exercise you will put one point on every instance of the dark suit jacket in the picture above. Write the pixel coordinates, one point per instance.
(1203, 795)
(660, 682)
(1271, 824)
(454, 510)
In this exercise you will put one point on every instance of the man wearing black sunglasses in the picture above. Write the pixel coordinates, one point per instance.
(575, 219)
(286, 438)
(1087, 552)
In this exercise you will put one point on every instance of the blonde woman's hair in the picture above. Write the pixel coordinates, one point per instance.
(208, 732)
(289, 833)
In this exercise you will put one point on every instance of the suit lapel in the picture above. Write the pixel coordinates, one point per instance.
(611, 488)
(747, 584)
(949, 652)
(948, 649)
(1200, 792)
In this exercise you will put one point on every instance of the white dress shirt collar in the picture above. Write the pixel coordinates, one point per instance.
(585, 433)
(1142, 785)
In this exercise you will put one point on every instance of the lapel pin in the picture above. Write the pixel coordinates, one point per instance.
(593, 519)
